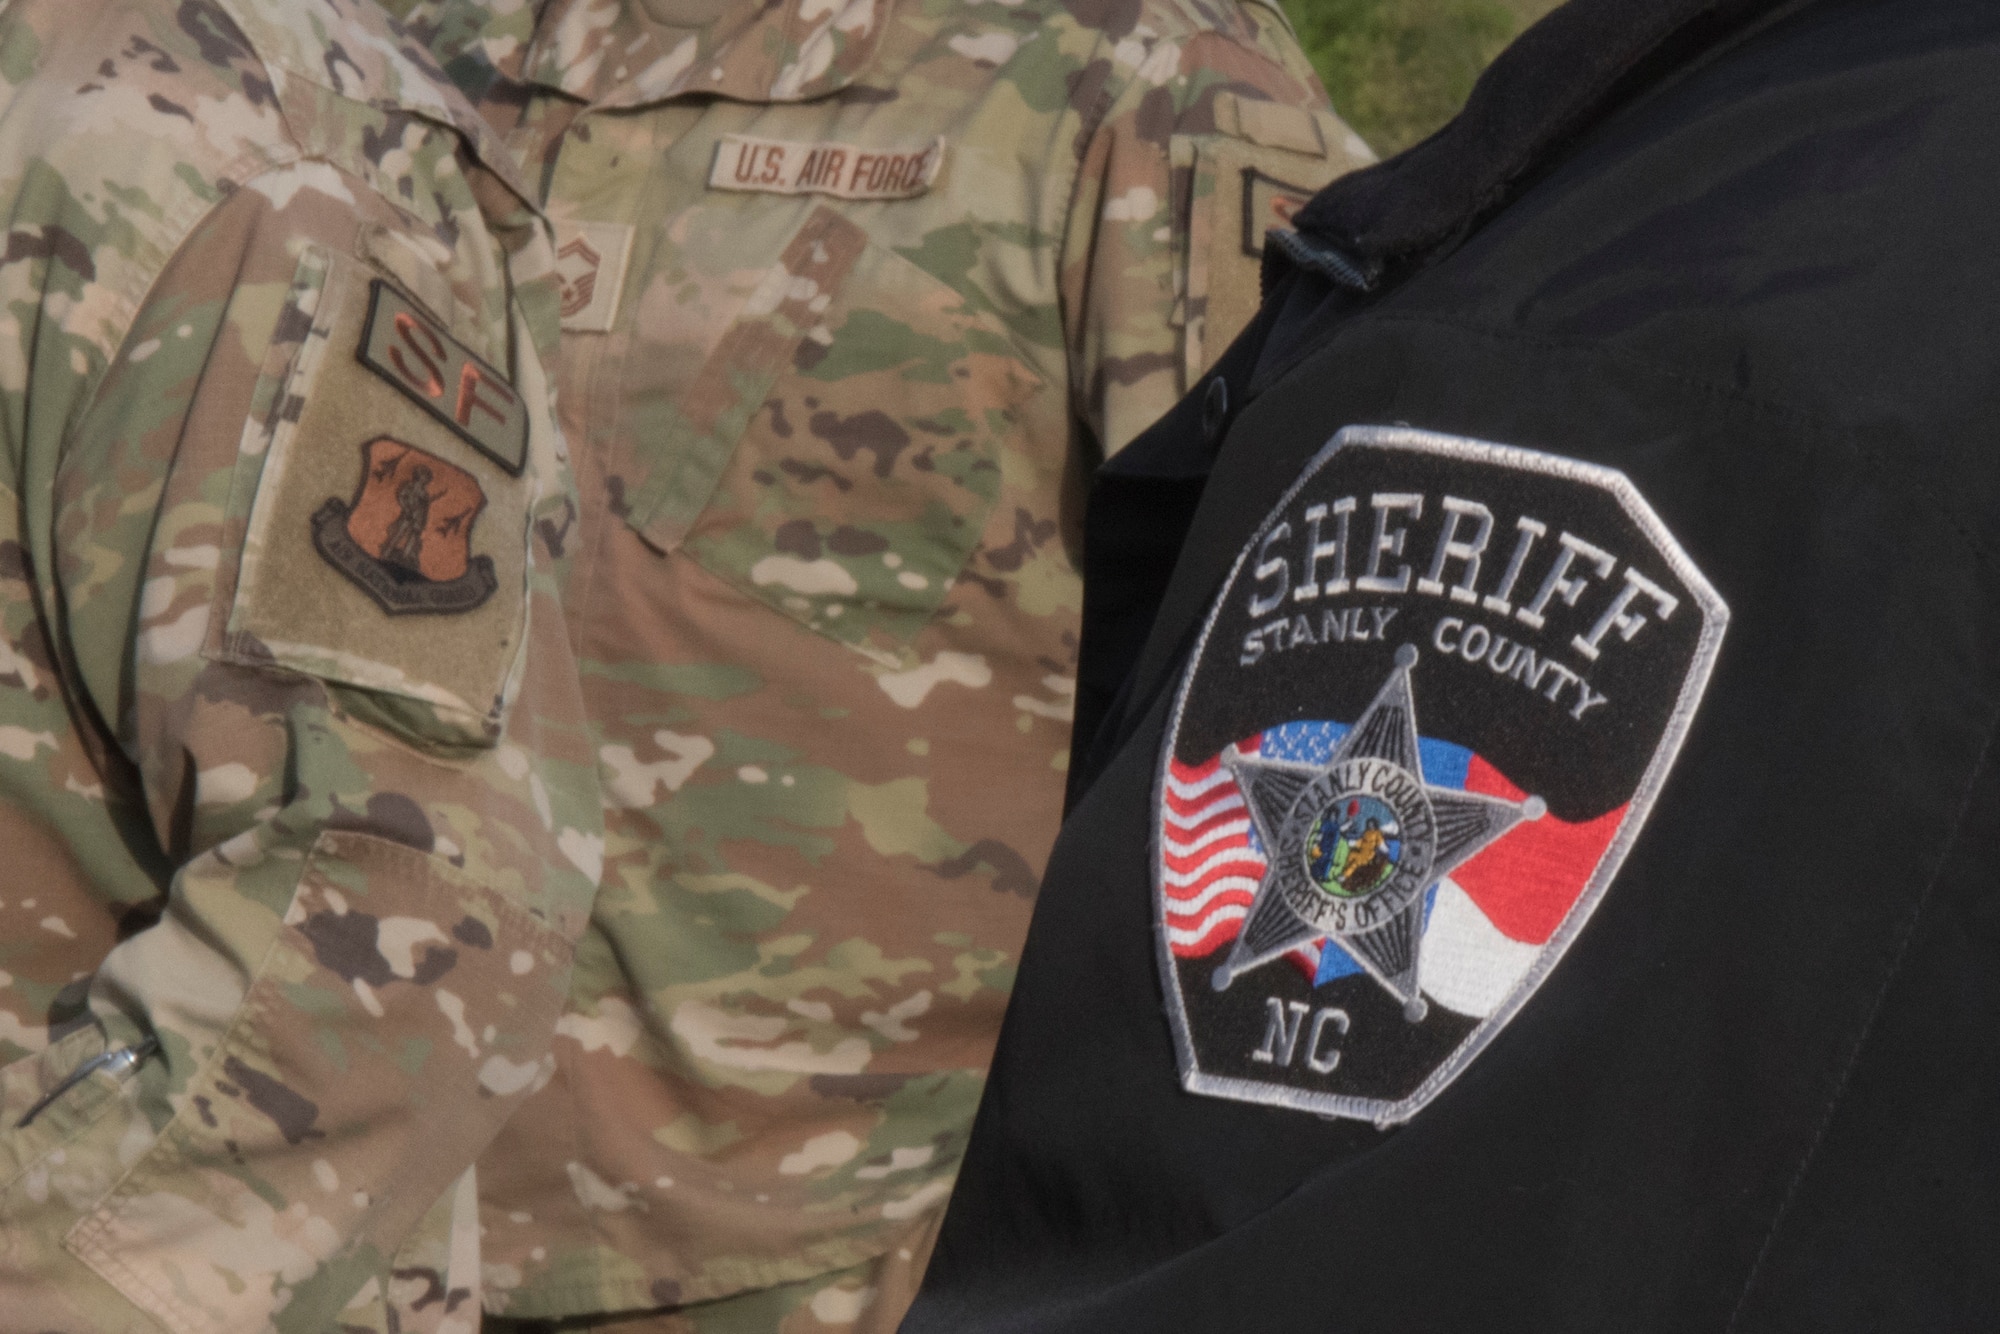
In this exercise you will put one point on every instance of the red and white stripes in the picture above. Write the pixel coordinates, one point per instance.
(1209, 869)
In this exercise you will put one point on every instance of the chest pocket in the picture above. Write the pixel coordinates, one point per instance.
(839, 452)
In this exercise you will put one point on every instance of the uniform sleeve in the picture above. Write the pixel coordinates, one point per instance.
(297, 899)
(1194, 147)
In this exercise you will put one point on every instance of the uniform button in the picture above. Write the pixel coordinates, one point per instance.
(1215, 409)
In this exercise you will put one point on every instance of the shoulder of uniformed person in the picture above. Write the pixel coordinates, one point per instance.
(278, 443)
(1179, 52)
(1203, 127)
(402, 229)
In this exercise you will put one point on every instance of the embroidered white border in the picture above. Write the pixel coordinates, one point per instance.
(1715, 619)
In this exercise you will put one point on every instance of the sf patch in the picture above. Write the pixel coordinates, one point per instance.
(406, 537)
(390, 483)
(443, 377)
(1423, 725)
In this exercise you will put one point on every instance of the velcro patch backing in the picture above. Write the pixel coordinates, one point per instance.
(387, 545)
(1272, 124)
(845, 171)
(1237, 191)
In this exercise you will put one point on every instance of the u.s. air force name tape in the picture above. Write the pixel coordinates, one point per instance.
(845, 171)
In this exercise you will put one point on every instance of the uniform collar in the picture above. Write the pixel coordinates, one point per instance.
(370, 62)
(1566, 73)
(609, 53)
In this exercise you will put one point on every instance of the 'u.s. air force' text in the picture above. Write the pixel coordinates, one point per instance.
(1446, 550)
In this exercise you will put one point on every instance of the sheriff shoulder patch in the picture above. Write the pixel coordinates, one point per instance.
(1423, 725)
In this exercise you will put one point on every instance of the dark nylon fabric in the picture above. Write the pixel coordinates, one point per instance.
(1141, 503)
(1563, 76)
(1558, 80)
(1761, 1091)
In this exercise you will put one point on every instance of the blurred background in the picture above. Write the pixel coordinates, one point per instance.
(1398, 69)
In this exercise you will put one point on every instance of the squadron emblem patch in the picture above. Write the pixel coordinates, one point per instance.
(406, 537)
(1424, 723)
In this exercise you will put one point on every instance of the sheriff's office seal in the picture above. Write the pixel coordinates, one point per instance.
(1423, 724)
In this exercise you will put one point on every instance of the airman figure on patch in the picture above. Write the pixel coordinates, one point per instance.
(855, 294)
(299, 817)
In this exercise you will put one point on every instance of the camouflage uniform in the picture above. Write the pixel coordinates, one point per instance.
(299, 814)
(855, 294)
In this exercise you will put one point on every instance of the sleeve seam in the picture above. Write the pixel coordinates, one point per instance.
(1089, 127)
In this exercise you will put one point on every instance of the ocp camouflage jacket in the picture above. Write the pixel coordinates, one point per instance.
(285, 923)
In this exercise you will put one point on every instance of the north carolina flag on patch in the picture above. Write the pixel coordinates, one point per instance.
(1484, 924)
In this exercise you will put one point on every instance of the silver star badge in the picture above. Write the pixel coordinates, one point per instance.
(1352, 847)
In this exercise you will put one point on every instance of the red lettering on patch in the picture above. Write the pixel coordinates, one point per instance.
(431, 383)
(472, 380)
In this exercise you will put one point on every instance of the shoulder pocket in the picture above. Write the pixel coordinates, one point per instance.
(1269, 159)
(839, 453)
(386, 484)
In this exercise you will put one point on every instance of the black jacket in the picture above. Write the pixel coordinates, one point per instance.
(1746, 257)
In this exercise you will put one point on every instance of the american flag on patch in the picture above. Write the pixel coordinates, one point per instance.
(1212, 861)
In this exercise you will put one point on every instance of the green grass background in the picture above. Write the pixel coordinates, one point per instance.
(1398, 69)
